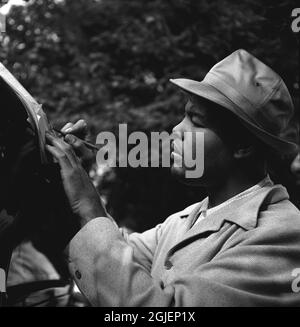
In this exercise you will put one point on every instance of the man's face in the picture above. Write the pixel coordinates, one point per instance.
(218, 157)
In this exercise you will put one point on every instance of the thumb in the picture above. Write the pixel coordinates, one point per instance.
(75, 142)
(79, 147)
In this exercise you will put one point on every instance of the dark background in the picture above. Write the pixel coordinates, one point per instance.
(109, 62)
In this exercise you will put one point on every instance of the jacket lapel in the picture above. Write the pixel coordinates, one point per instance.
(242, 212)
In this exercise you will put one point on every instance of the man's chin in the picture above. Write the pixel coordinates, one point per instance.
(179, 174)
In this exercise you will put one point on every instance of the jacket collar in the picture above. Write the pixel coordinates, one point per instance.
(243, 212)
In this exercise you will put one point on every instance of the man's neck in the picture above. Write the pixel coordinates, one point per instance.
(231, 187)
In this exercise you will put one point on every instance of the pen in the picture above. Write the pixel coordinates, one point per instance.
(87, 144)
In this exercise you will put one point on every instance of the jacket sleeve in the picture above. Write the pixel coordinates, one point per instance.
(144, 244)
(256, 271)
(109, 266)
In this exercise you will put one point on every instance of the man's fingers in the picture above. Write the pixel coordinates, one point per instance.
(81, 125)
(66, 127)
(75, 142)
(63, 148)
(60, 157)
(79, 128)
(79, 147)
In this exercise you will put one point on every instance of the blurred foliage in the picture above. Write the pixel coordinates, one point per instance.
(109, 61)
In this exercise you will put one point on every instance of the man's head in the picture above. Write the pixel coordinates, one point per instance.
(228, 145)
(244, 110)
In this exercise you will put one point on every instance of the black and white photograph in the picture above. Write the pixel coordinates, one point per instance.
(149, 156)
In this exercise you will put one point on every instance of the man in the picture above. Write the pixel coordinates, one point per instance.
(238, 247)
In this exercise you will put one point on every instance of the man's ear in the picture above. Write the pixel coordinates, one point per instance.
(244, 152)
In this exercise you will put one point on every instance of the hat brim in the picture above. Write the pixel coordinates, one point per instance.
(207, 91)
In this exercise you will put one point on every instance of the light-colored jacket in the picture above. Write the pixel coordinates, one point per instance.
(247, 254)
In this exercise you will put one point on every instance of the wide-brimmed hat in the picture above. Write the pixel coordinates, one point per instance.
(255, 94)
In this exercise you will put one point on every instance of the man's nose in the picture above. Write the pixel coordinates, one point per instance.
(178, 130)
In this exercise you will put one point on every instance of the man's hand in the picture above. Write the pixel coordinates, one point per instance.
(81, 193)
(73, 133)
(78, 129)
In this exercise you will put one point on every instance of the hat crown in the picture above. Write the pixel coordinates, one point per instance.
(256, 89)
(248, 75)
